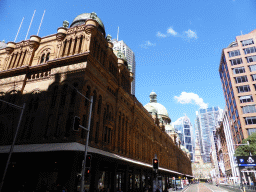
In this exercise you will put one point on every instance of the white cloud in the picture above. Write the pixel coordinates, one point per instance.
(191, 34)
(148, 44)
(171, 31)
(161, 35)
(191, 98)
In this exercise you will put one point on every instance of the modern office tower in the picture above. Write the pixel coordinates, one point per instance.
(198, 133)
(238, 76)
(207, 118)
(185, 131)
(128, 53)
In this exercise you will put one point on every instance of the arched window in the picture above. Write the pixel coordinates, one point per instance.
(30, 128)
(97, 132)
(69, 124)
(99, 105)
(88, 93)
(48, 125)
(63, 95)
(94, 101)
(54, 96)
(73, 94)
(42, 58)
(47, 57)
(58, 125)
(34, 102)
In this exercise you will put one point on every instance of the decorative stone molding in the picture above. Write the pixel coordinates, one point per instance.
(121, 65)
(92, 22)
(22, 44)
(68, 68)
(131, 76)
(110, 45)
(10, 47)
(34, 42)
(91, 25)
(75, 29)
(12, 79)
(61, 34)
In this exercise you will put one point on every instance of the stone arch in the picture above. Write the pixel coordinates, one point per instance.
(44, 52)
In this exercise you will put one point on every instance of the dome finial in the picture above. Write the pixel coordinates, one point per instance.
(65, 24)
(153, 97)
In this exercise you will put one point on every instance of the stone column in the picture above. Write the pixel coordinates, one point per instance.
(66, 48)
(71, 51)
(23, 57)
(77, 45)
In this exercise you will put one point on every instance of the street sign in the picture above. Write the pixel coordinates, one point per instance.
(246, 161)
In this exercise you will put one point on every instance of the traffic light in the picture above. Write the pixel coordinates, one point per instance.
(76, 123)
(87, 172)
(88, 161)
(155, 163)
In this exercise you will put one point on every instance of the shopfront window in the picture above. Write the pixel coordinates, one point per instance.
(137, 181)
(119, 181)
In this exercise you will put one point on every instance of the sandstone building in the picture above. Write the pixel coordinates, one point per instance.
(43, 72)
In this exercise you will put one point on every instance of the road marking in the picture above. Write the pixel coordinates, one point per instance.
(219, 190)
(208, 188)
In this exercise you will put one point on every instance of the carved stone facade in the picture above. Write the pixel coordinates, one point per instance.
(41, 73)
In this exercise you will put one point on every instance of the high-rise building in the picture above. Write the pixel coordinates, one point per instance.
(226, 149)
(207, 120)
(185, 131)
(128, 53)
(198, 133)
(238, 76)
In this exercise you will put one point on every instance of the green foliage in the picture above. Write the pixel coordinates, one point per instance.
(244, 150)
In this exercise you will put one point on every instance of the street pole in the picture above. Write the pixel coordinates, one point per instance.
(14, 140)
(86, 145)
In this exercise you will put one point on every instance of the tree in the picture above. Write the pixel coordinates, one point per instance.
(244, 150)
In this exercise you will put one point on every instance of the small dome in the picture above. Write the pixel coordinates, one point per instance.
(80, 19)
(153, 93)
(151, 109)
(161, 110)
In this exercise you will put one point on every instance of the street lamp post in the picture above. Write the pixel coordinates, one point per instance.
(87, 137)
(14, 140)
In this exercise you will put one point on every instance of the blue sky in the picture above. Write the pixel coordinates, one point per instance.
(177, 43)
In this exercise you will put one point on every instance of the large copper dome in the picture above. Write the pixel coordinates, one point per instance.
(80, 19)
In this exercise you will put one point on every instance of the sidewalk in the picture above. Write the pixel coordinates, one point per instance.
(247, 188)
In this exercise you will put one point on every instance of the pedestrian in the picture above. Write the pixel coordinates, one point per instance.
(64, 189)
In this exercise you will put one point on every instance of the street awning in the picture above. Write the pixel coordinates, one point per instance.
(74, 146)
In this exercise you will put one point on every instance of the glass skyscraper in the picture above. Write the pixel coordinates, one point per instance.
(207, 120)
(185, 131)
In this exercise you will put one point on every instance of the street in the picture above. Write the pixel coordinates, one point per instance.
(206, 187)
